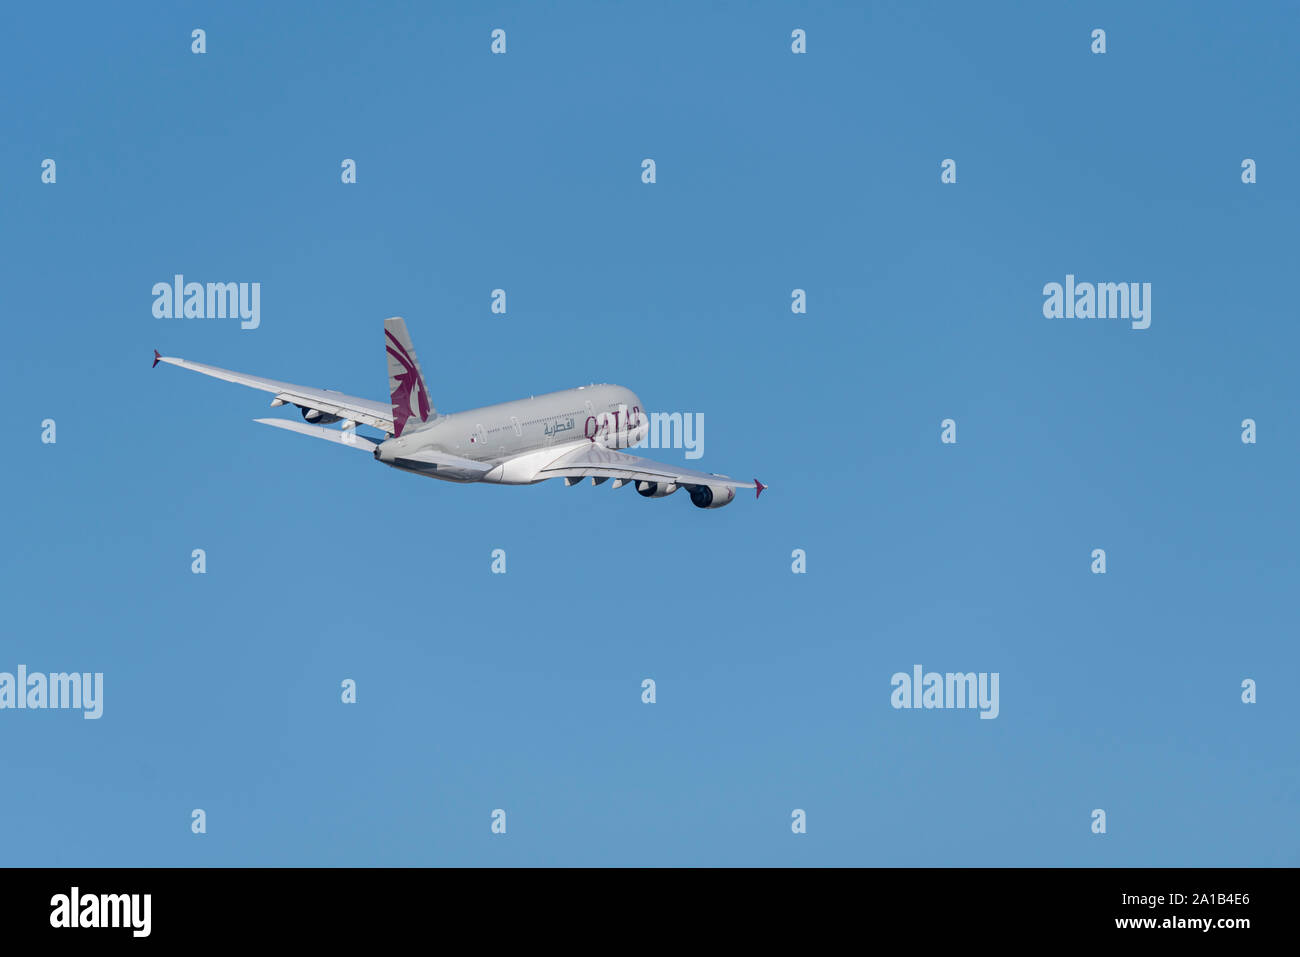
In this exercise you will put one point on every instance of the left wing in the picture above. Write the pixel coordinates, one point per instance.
(377, 414)
(600, 462)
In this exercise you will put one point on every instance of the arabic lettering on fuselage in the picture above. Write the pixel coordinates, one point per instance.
(558, 427)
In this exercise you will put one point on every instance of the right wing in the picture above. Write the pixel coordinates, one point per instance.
(377, 414)
(599, 462)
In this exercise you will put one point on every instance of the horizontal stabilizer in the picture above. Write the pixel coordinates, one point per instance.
(444, 463)
(344, 437)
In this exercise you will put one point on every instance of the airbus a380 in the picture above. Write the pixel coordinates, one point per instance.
(572, 434)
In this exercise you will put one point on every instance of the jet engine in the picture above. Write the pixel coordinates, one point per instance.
(317, 417)
(712, 496)
(656, 489)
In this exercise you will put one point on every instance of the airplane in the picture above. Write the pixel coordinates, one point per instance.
(512, 443)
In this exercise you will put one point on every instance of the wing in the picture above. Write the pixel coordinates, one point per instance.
(600, 462)
(377, 414)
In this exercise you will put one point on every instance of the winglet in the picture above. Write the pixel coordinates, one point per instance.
(758, 488)
(156, 357)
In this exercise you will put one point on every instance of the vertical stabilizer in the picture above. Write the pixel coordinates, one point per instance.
(405, 381)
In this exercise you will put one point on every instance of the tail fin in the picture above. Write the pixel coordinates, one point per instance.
(405, 382)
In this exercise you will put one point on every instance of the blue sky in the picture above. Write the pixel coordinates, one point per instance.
(775, 171)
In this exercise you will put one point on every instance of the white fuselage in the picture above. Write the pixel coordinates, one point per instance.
(519, 438)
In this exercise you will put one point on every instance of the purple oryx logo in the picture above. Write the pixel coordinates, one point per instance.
(403, 385)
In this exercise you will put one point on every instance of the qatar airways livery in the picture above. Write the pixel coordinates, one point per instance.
(512, 443)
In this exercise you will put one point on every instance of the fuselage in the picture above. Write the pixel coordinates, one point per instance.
(518, 438)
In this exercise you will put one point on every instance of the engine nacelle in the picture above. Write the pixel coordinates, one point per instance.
(316, 417)
(656, 489)
(712, 496)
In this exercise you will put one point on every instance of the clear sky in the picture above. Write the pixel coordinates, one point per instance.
(775, 171)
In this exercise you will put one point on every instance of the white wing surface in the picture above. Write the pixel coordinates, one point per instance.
(377, 414)
(600, 462)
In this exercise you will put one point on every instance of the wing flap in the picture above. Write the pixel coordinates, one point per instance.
(334, 403)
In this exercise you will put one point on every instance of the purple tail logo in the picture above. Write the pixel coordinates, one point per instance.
(405, 383)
